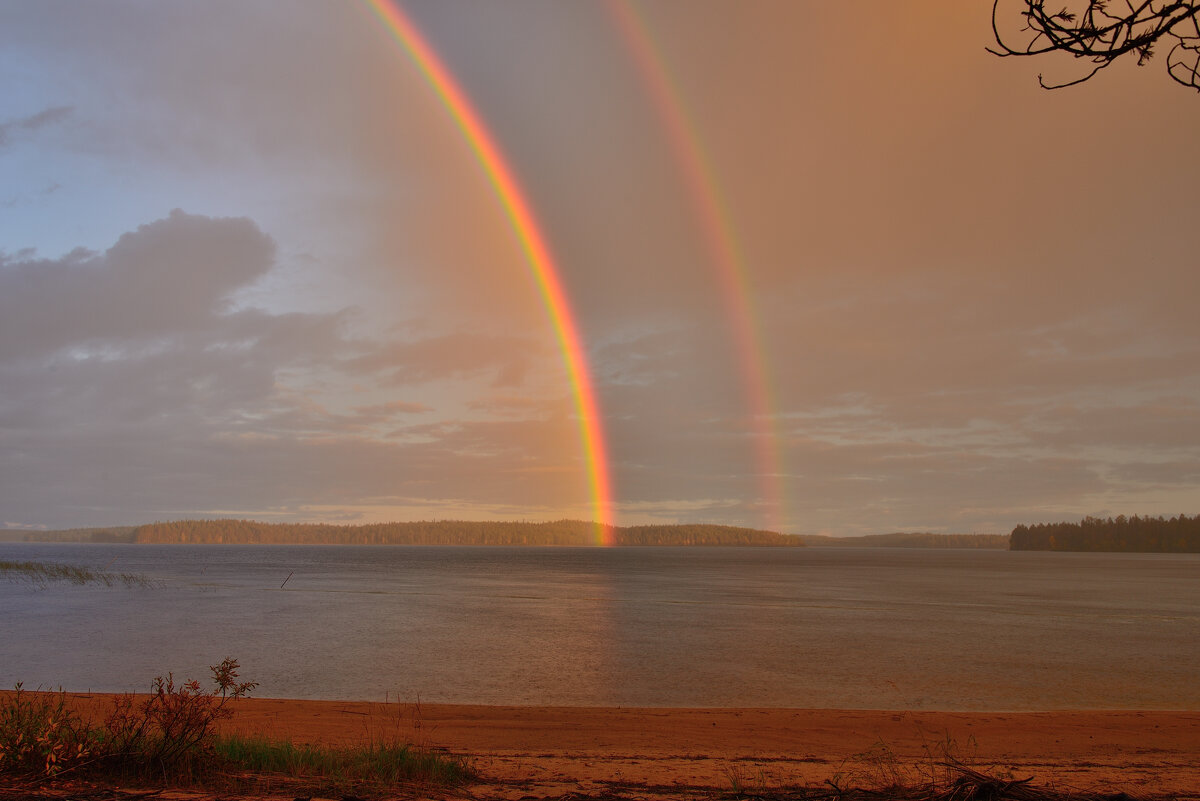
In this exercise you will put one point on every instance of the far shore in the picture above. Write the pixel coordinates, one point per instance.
(664, 753)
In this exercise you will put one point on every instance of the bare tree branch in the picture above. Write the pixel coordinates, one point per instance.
(1091, 30)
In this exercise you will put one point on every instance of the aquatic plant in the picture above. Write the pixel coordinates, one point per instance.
(41, 573)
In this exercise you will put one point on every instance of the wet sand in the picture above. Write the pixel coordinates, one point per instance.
(538, 752)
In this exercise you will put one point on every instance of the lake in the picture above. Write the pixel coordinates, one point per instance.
(661, 627)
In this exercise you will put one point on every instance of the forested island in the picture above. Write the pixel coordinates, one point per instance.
(441, 532)
(1123, 534)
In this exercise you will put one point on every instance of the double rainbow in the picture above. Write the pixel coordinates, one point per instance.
(533, 245)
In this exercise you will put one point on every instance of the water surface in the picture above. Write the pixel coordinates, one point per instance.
(803, 627)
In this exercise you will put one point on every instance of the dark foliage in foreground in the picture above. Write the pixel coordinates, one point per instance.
(170, 732)
(168, 738)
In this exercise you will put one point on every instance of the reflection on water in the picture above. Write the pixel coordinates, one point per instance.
(850, 628)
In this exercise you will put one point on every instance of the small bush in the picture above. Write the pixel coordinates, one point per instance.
(172, 730)
(168, 733)
(40, 736)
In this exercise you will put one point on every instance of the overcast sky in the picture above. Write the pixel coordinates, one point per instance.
(249, 267)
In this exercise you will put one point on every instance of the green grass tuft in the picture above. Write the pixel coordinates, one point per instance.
(376, 763)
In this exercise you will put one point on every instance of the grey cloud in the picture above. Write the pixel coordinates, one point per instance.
(147, 472)
(1162, 424)
(169, 276)
(454, 355)
(901, 482)
(1171, 474)
(387, 411)
(33, 122)
(507, 405)
(687, 371)
(119, 367)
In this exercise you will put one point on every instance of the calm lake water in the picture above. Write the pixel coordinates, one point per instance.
(804, 627)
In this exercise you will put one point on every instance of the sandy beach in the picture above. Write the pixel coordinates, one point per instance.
(552, 752)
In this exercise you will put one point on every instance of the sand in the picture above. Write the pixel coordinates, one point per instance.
(539, 752)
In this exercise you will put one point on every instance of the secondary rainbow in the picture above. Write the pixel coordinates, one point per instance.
(533, 245)
(723, 245)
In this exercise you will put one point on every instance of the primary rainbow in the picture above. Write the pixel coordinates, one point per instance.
(533, 246)
(723, 244)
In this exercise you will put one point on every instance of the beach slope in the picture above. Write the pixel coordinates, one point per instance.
(554, 751)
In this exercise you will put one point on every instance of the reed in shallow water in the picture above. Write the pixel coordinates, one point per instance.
(42, 573)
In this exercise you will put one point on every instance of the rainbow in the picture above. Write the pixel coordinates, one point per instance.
(533, 246)
(730, 264)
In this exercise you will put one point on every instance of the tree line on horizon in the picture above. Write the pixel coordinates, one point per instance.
(449, 532)
(1135, 534)
(99, 534)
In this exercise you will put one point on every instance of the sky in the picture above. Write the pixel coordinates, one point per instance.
(835, 268)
